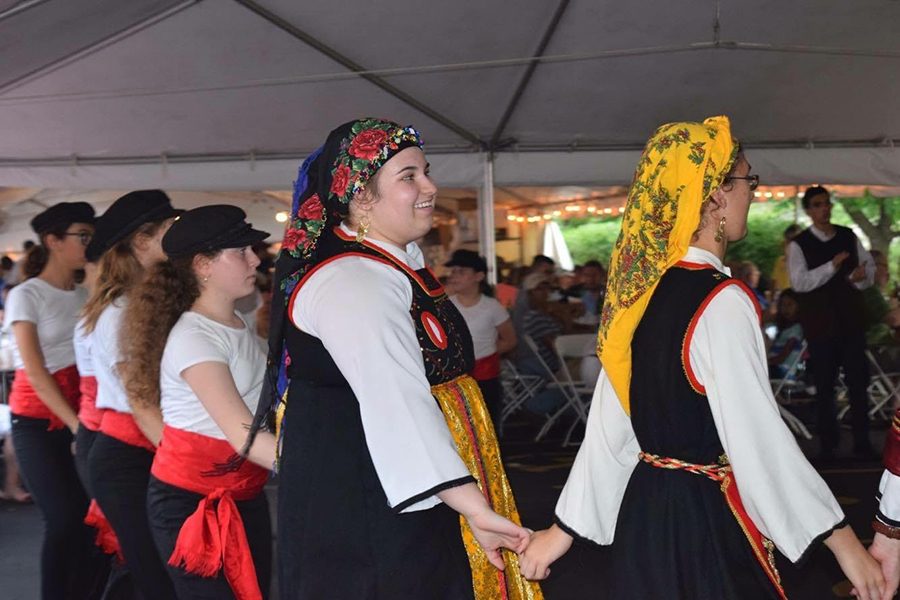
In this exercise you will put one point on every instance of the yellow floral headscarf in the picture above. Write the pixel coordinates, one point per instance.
(682, 164)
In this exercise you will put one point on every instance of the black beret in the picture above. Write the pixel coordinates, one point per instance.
(467, 258)
(210, 228)
(125, 216)
(63, 215)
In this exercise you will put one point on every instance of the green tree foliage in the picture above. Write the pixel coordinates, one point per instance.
(593, 238)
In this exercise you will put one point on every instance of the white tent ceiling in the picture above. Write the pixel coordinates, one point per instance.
(230, 94)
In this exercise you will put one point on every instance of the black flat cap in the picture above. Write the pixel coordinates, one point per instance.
(125, 216)
(210, 228)
(63, 215)
(467, 258)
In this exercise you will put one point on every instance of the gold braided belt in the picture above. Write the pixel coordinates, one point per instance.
(763, 548)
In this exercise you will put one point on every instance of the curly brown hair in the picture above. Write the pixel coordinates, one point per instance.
(119, 270)
(169, 289)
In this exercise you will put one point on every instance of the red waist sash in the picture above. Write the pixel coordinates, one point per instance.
(763, 548)
(121, 426)
(106, 538)
(24, 401)
(213, 537)
(486, 368)
(88, 413)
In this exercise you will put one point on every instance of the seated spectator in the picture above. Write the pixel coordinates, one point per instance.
(12, 490)
(532, 318)
(785, 350)
(489, 324)
(749, 273)
(542, 264)
(781, 279)
(879, 315)
(594, 287)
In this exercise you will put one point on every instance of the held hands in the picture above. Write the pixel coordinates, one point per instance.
(545, 547)
(887, 552)
(858, 566)
(493, 532)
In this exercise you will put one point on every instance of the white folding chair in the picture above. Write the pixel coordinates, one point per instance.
(883, 393)
(517, 389)
(572, 398)
(783, 388)
(576, 346)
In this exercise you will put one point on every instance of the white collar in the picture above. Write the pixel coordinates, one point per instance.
(699, 255)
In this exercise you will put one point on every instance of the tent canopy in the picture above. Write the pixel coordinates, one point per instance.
(231, 94)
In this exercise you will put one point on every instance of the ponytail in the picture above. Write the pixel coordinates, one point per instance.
(35, 260)
(169, 289)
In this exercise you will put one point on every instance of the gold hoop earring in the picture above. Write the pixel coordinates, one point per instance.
(720, 231)
(362, 229)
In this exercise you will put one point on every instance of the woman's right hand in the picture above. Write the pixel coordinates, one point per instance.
(493, 532)
(545, 548)
(858, 566)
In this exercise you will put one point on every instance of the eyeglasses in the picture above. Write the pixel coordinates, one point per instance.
(753, 179)
(84, 236)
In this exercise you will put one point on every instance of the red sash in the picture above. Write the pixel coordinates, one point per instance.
(88, 413)
(106, 538)
(486, 368)
(763, 548)
(213, 537)
(892, 446)
(121, 426)
(24, 401)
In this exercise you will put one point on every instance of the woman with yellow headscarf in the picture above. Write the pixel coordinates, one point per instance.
(683, 416)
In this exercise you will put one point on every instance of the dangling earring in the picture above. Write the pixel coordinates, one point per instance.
(720, 231)
(362, 229)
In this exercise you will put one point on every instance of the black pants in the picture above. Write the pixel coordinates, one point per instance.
(68, 560)
(827, 356)
(169, 506)
(84, 440)
(119, 475)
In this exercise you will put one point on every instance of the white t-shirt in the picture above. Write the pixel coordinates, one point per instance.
(196, 339)
(55, 313)
(105, 355)
(81, 340)
(483, 318)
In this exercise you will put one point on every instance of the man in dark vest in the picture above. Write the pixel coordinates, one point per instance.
(828, 267)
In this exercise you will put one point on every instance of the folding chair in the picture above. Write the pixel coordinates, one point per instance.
(882, 391)
(517, 389)
(783, 388)
(576, 346)
(571, 395)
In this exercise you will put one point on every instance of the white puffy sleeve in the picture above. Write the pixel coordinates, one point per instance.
(359, 309)
(589, 504)
(786, 498)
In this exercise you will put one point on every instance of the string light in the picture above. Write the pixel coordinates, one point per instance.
(281, 216)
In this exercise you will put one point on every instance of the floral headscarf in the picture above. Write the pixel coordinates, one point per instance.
(682, 164)
(326, 182)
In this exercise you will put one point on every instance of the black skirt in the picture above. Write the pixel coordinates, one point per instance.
(337, 536)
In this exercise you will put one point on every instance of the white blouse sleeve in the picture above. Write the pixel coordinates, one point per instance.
(868, 262)
(589, 504)
(889, 499)
(786, 498)
(359, 309)
(804, 279)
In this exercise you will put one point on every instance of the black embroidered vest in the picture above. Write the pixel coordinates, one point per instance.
(443, 336)
(669, 410)
(836, 306)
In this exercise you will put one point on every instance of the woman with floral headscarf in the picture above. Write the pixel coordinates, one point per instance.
(665, 453)
(382, 435)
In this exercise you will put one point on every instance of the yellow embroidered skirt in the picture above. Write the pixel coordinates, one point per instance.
(472, 429)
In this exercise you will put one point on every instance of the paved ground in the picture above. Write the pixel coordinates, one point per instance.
(537, 472)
